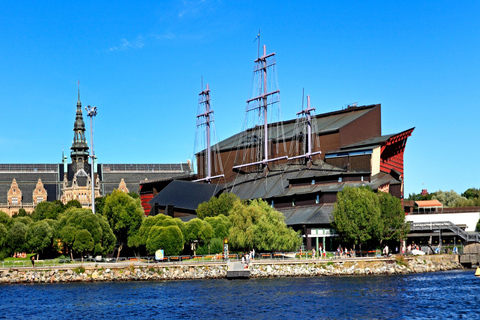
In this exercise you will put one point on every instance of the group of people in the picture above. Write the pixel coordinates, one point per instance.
(341, 252)
(248, 256)
(20, 255)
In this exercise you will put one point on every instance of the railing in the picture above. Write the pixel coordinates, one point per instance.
(439, 225)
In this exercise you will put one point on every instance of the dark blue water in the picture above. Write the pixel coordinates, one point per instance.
(453, 294)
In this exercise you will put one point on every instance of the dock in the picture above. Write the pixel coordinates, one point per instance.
(237, 270)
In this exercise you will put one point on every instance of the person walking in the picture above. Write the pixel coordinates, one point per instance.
(33, 261)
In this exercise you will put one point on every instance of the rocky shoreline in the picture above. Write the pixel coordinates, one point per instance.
(260, 269)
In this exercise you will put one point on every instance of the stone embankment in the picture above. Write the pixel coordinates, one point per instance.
(261, 269)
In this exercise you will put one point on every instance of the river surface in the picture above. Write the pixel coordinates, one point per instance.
(450, 294)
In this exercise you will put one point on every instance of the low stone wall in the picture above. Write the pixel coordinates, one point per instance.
(394, 265)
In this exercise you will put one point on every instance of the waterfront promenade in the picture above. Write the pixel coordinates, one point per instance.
(144, 271)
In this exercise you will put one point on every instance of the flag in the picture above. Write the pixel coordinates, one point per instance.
(257, 37)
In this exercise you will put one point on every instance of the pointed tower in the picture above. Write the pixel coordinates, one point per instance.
(79, 147)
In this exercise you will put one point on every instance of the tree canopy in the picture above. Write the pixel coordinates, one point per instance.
(124, 214)
(217, 206)
(360, 215)
(257, 225)
(74, 220)
(357, 214)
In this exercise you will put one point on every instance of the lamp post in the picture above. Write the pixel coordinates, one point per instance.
(92, 112)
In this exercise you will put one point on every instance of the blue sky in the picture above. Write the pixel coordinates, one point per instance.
(141, 65)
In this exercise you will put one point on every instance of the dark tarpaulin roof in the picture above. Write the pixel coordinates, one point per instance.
(185, 194)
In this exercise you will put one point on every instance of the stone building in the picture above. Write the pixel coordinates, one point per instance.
(26, 185)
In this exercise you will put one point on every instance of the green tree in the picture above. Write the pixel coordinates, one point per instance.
(4, 249)
(99, 204)
(83, 242)
(21, 213)
(258, 225)
(140, 240)
(97, 225)
(357, 214)
(134, 195)
(47, 210)
(67, 236)
(125, 215)
(25, 220)
(39, 237)
(447, 198)
(17, 236)
(217, 206)
(5, 219)
(392, 218)
(169, 238)
(73, 204)
(220, 224)
(471, 193)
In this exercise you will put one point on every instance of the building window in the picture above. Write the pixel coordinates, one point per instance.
(14, 200)
(361, 178)
(339, 179)
(272, 204)
(293, 202)
(313, 181)
(39, 199)
(318, 199)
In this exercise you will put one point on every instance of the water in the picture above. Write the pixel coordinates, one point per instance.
(452, 294)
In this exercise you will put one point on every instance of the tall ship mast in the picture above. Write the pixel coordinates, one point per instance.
(205, 121)
(305, 120)
(260, 105)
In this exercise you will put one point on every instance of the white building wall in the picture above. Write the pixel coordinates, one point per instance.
(469, 219)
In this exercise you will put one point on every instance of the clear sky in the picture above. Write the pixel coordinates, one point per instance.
(141, 64)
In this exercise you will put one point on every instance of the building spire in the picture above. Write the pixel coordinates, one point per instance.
(78, 83)
(79, 153)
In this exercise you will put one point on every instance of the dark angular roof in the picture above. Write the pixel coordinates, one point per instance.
(327, 122)
(277, 183)
(308, 215)
(185, 194)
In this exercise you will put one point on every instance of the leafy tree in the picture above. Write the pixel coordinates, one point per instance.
(83, 242)
(39, 236)
(169, 238)
(140, 239)
(5, 219)
(193, 230)
(25, 220)
(217, 206)
(3, 235)
(67, 236)
(96, 225)
(478, 225)
(125, 215)
(471, 193)
(392, 218)
(21, 213)
(16, 237)
(419, 197)
(447, 198)
(47, 210)
(99, 204)
(357, 214)
(215, 246)
(220, 224)
(73, 204)
(258, 225)
(134, 195)
(4, 249)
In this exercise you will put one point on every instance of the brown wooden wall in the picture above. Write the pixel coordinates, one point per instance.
(365, 127)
